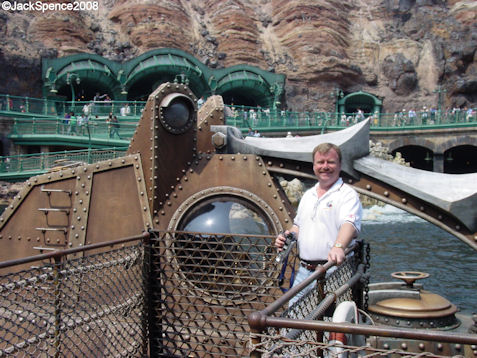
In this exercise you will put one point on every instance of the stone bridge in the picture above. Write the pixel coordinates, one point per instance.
(449, 150)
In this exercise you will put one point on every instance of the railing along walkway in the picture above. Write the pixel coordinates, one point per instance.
(35, 107)
(26, 165)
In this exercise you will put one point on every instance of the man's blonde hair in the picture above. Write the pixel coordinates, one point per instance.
(324, 148)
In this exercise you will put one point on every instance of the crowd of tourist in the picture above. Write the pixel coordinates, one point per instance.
(257, 117)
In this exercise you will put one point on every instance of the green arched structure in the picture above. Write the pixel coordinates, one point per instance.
(82, 75)
(369, 103)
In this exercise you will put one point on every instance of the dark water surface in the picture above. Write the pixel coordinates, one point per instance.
(403, 242)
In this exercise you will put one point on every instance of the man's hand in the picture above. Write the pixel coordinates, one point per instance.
(336, 255)
(280, 240)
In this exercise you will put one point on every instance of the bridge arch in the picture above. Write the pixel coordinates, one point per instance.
(412, 141)
(460, 159)
(419, 152)
(456, 141)
(367, 102)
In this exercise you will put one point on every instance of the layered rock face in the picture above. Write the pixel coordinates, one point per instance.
(400, 50)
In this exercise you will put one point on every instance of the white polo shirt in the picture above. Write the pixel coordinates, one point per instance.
(319, 219)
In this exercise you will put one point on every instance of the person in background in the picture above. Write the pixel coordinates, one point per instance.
(114, 127)
(125, 110)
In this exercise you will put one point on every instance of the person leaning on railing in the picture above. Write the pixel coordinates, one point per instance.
(328, 216)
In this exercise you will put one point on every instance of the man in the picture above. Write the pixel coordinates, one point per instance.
(328, 216)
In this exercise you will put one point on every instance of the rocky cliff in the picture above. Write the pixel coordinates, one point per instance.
(401, 50)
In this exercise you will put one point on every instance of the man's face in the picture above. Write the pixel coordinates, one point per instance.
(327, 167)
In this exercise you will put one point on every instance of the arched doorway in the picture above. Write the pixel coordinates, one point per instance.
(367, 102)
(418, 157)
(460, 160)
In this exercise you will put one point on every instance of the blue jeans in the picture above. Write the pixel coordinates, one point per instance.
(301, 275)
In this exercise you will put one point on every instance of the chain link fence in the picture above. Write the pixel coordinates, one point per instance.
(76, 305)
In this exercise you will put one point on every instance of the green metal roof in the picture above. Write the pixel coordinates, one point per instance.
(117, 78)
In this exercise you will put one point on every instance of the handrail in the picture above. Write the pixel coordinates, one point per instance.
(292, 292)
(44, 161)
(261, 321)
(243, 116)
(58, 254)
(54, 107)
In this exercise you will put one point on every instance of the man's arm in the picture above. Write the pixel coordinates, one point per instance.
(346, 233)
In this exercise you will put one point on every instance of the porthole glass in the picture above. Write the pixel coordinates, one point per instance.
(224, 250)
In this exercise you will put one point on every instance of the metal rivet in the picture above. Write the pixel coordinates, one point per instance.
(404, 200)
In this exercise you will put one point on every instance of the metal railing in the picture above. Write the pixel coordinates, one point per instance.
(180, 294)
(28, 106)
(266, 120)
(306, 329)
(52, 160)
(244, 117)
(76, 303)
(173, 293)
(75, 127)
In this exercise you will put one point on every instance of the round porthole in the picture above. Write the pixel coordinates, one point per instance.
(222, 245)
(177, 113)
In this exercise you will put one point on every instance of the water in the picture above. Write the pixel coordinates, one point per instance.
(403, 242)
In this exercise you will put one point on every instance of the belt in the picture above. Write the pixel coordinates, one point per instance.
(311, 265)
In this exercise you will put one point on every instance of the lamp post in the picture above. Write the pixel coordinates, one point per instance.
(337, 94)
(70, 77)
(440, 91)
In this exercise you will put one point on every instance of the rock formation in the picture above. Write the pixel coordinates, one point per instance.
(400, 50)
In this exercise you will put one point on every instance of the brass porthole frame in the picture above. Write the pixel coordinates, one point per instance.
(184, 208)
